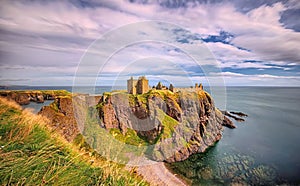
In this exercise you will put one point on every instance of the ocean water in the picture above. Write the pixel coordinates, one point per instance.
(77, 89)
(36, 107)
(263, 150)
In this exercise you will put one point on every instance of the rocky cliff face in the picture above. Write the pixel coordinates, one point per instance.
(61, 116)
(176, 125)
(67, 114)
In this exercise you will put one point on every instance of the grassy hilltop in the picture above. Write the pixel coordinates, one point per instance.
(33, 154)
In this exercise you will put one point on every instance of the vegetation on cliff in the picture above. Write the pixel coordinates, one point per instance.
(33, 154)
(24, 97)
(50, 92)
(140, 106)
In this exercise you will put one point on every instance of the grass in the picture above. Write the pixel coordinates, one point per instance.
(143, 98)
(168, 124)
(117, 145)
(167, 121)
(130, 137)
(49, 92)
(56, 92)
(107, 93)
(33, 154)
(54, 106)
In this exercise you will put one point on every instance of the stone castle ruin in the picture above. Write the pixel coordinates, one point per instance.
(141, 86)
(197, 87)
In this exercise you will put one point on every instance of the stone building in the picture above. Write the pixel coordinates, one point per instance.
(171, 88)
(198, 87)
(131, 85)
(139, 86)
(142, 85)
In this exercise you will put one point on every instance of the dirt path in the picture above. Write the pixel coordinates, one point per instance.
(157, 174)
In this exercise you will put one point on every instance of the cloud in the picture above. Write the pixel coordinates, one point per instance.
(55, 34)
(233, 79)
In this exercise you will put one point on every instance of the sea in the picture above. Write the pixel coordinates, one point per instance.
(262, 150)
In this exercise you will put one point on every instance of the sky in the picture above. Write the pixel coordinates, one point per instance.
(237, 43)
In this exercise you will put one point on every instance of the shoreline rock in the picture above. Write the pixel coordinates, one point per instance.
(241, 114)
(226, 113)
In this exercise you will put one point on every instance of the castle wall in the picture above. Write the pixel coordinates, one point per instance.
(131, 86)
(142, 86)
(188, 89)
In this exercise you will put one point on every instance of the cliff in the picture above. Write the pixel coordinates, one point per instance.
(61, 116)
(175, 125)
(171, 126)
(67, 114)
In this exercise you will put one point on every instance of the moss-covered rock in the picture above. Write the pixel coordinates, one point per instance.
(24, 97)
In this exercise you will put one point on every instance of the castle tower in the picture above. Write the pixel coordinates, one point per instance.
(131, 86)
(142, 85)
(171, 88)
(200, 86)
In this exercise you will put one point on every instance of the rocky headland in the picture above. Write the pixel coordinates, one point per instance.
(174, 125)
(177, 124)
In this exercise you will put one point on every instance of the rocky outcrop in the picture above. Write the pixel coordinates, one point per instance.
(224, 120)
(25, 97)
(232, 115)
(67, 114)
(61, 117)
(241, 114)
(176, 125)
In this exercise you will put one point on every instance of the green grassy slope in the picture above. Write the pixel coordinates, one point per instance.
(32, 154)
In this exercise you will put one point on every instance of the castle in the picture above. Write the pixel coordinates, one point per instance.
(139, 86)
